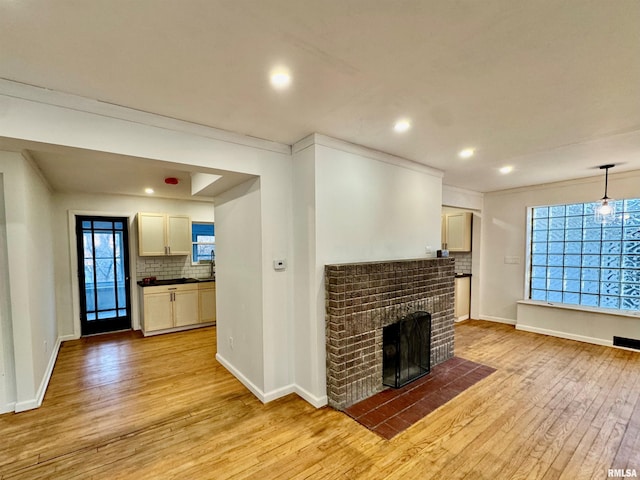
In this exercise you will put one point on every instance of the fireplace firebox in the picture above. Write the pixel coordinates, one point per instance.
(406, 349)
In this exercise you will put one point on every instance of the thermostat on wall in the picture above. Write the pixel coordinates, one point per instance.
(279, 265)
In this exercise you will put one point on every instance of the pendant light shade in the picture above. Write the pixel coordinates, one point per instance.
(605, 211)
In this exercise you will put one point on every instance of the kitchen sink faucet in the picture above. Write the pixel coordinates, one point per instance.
(212, 265)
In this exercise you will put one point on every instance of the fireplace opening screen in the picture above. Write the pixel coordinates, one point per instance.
(406, 349)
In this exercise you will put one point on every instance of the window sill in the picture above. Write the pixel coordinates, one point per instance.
(582, 308)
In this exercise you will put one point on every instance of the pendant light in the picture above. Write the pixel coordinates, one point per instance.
(605, 211)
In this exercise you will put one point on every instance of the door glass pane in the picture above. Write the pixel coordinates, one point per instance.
(122, 300)
(89, 286)
(87, 243)
(107, 314)
(104, 244)
(105, 283)
(119, 244)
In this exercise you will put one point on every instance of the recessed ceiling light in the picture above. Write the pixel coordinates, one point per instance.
(148, 190)
(506, 169)
(466, 153)
(280, 79)
(402, 126)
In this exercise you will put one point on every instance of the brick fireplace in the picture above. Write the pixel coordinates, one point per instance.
(361, 299)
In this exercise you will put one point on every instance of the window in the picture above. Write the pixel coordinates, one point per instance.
(204, 242)
(575, 260)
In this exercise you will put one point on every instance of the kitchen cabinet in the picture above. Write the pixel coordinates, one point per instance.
(161, 234)
(462, 297)
(457, 231)
(185, 306)
(169, 307)
(207, 302)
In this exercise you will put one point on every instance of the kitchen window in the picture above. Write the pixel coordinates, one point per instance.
(575, 260)
(203, 242)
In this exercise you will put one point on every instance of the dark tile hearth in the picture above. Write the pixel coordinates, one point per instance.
(393, 410)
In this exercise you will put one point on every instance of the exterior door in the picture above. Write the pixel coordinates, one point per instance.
(103, 274)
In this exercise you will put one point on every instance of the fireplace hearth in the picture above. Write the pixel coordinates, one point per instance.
(406, 350)
(362, 299)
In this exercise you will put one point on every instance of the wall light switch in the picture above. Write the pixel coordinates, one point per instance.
(280, 265)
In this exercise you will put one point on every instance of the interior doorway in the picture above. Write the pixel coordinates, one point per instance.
(103, 274)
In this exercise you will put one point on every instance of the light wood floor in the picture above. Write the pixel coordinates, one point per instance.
(162, 407)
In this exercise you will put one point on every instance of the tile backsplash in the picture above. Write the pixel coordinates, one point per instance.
(463, 261)
(164, 268)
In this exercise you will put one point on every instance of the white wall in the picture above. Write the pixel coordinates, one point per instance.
(577, 324)
(239, 286)
(307, 333)
(504, 234)
(27, 202)
(461, 198)
(368, 209)
(67, 299)
(7, 362)
(367, 206)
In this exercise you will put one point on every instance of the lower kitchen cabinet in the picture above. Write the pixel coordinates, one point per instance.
(185, 306)
(157, 309)
(462, 298)
(171, 308)
(207, 302)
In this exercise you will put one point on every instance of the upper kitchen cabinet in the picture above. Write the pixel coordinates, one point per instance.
(162, 234)
(457, 231)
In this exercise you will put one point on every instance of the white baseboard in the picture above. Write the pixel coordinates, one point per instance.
(273, 394)
(566, 335)
(461, 318)
(279, 392)
(508, 321)
(46, 378)
(244, 380)
(8, 408)
(317, 402)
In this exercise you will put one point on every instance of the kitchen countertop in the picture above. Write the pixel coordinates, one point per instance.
(175, 281)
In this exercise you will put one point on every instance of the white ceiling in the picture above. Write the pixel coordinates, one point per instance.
(73, 170)
(550, 87)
